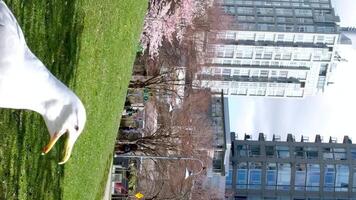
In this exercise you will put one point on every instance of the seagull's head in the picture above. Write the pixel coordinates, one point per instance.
(61, 119)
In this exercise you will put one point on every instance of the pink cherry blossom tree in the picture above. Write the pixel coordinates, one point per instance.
(169, 20)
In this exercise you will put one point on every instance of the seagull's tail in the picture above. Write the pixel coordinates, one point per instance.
(9, 20)
(6, 16)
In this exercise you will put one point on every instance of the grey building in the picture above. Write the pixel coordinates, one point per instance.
(219, 114)
(274, 48)
(291, 170)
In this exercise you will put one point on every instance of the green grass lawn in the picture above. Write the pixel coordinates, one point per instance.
(90, 45)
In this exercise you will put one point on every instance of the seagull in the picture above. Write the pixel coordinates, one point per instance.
(25, 83)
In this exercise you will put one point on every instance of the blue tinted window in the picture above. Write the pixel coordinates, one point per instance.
(353, 154)
(313, 177)
(255, 179)
(229, 178)
(271, 176)
(342, 178)
(241, 178)
(241, 181)
(354, 180)
(283, 176)
(255, 174)
(300, 174)
(329, 178)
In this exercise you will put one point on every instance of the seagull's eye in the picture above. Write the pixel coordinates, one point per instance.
(76, 127)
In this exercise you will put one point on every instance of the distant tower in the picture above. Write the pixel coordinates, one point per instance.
(274, 49)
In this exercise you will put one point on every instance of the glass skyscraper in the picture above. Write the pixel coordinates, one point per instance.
(291, 170)
(273, 48)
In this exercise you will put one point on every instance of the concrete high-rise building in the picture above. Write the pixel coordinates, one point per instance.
(291, 170)
(219, 114)
(274, 48)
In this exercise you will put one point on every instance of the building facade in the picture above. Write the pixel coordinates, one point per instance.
(274, 48)
(219, 114)
(291, 170)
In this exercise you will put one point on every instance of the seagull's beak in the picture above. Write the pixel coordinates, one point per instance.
(68, 147)
(52, 142)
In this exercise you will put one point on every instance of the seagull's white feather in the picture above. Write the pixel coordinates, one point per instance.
(25, 83)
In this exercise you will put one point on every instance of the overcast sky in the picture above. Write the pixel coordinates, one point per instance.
(332, 114)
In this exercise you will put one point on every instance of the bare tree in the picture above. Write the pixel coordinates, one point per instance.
(166, 180)
(182, 131)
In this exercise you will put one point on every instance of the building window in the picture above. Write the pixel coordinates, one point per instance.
(270, 151)
(239, 54)
(245, 72)
(287, 56)
(242, 150)
(245, 18)
(226, 72)
(353, 154)
(236, 62)
(261, 92)
(320, 39)
(246, 36)
(283, 74)
(285, 27)
(265, 63)
(258, 55)
(342, 178)
(340, 153)
(247, 54)
(271, 176)
(254, 151)
(303, 12)
(255, 73)
(256, 62)
(280, 37)
(328, 154)
(299, 152)
(284, 11)
(313, 177)
(312, 152)
(255, 174)
(302, 75)
(273, 73)
(266, 19)
(242, 91)
(329, 178)
(229, 53)
(236, 72)
(304, 20)
(265, 11)
(267, 55)
(217, 71)
(330, 39)
(241, 181)
(229, 178)
(282, 151)
(230, 35)
(284, 176)
(300, 175)
(354, 180)
(245, 10)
